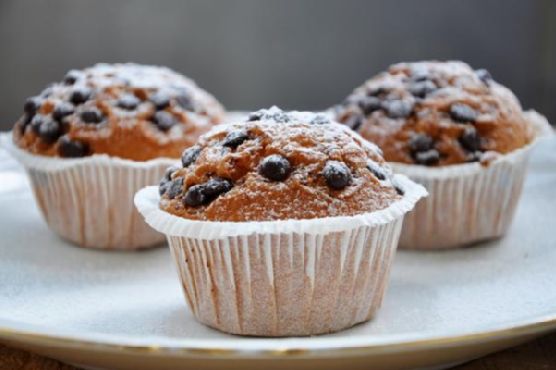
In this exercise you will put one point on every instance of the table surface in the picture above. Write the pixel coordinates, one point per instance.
(536, 355)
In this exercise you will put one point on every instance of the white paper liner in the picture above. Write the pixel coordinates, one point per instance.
(467, 202)
(283, 278)
(89, 201)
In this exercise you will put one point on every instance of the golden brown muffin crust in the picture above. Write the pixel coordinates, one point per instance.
(129, 111)
(436, 113)
(278, 166)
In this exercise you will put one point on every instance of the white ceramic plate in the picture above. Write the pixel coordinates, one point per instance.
(125, 309)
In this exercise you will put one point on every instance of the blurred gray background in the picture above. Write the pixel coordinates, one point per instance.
(306, 54)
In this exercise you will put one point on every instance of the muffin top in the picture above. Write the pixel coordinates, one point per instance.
(436, 113)
(278, 166)
(129, 111)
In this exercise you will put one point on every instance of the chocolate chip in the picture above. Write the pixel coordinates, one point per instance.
(420, 143)
(91, 115)
(369, 104)
(164, 120)
(184, 101)
(160, 100)
(190, 155)
(319, 119)
(128, 102)
(205, 193)
(174, 188)
(399, 190)
(470, 139)
(71, 77)
(25, 122)
(419, 75)
(336, 174)
(36, 123)
(235, 139)
(398, 108)
(80, 95)
(427, 158)
(49, 131)
(375, 91)
(275, 167)
(354, 121)
(422, 88)
(32, 105)
(377, 170)
(462, 113)
(72, 148)
(255, 116)
(169, 172)
(62, 110)
(484, 75)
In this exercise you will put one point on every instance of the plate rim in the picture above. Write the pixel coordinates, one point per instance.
(262, 348)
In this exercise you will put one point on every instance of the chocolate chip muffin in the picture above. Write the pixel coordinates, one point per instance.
(128, 111)
(294, 218)
(278, 166)
(436, 114)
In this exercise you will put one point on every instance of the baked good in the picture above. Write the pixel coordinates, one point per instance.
(92, 140)
(294, 218)
(128, 111)
(456, 131)
(436, 114)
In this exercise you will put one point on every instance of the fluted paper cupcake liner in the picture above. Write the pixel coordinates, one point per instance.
(470, 202)
(89, 201)
(283, 278)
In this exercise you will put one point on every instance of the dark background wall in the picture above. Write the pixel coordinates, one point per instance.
(305, 54)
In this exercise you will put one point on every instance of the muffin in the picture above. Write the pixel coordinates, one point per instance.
(282, 225)
(456, 131)
(92, 140)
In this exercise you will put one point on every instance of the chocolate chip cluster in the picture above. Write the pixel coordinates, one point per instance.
(274, 151)
(431, 113)
(66, 115)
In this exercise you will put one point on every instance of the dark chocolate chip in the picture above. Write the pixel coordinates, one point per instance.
(72, 148)
(71, 77)
(49, 130)
(174, 188)
(128, 102)
(422, 88)
(399, 190)
(319, 119)
(470, 139)
(32, 105)
(80, 95)
(427, 158)
(160, 100)
(255, 116)
(375, 91)
(205, 193)
(354, 121)
(62, 110)
(164, 120)
(275, 167)
(398, 108)
(184, 101)
(377, 170)
(235, 139)
(420, 143)
(36, 122)
(369, 104)
(169, 172)
(462, 113)
(91, 115)
(190, 155)
(336, 174)
(484, 75)
(25, 122)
